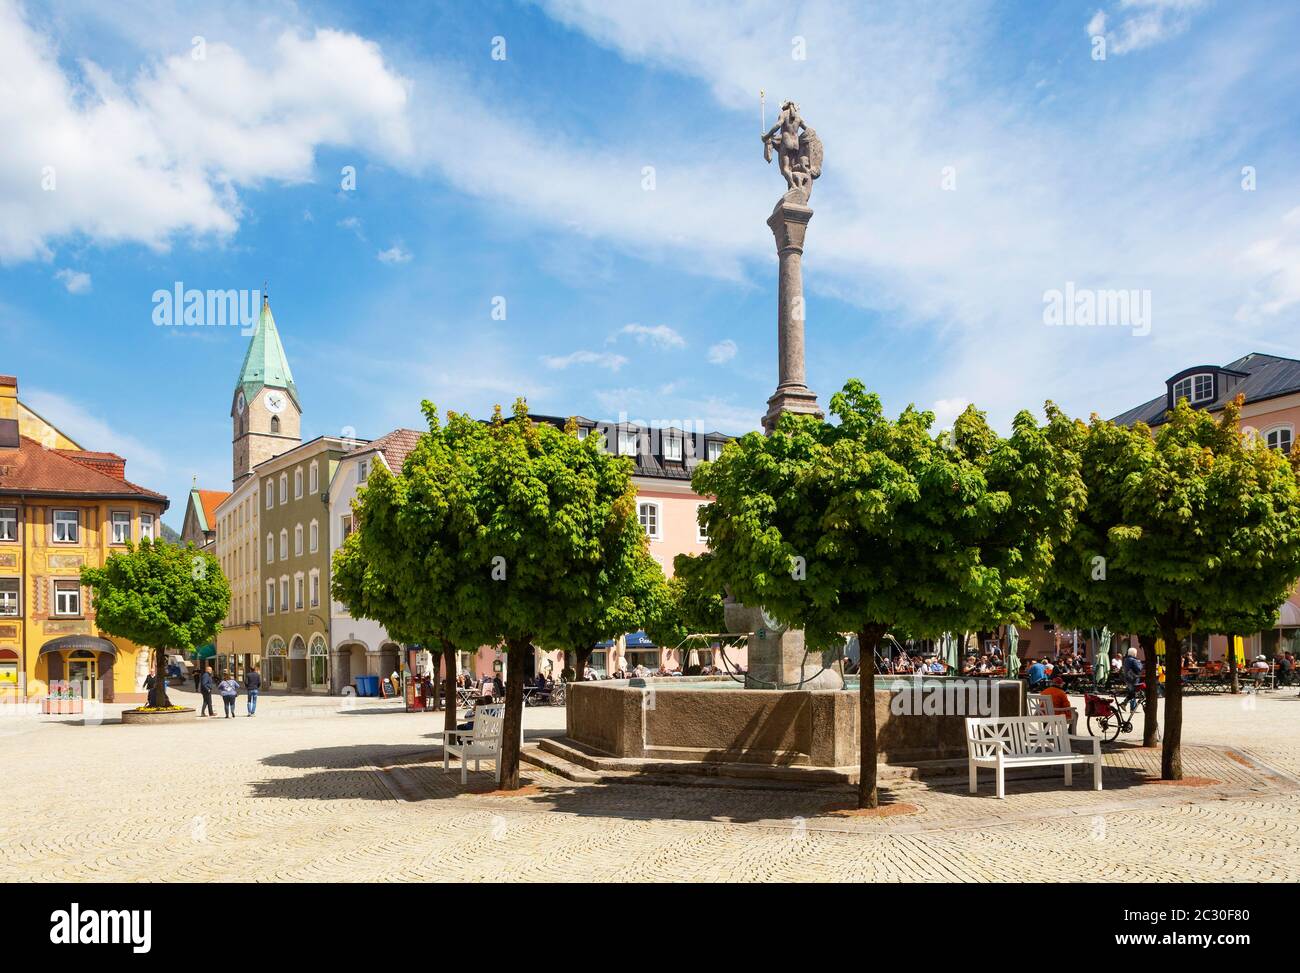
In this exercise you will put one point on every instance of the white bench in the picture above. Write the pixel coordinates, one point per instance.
(483, 742)
(999, 742)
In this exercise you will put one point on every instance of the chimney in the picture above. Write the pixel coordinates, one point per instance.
(8, 412)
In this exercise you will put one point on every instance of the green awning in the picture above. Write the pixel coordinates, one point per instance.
(205, 652)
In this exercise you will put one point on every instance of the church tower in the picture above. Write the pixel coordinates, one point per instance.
(265, 414)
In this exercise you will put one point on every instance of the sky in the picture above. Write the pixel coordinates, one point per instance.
(566, 200)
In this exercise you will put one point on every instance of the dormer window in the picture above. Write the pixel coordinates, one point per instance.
(1195, 388)
(713, 450)
(672, 446)
(627, 442)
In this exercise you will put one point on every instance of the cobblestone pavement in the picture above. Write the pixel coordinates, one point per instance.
(309, 791)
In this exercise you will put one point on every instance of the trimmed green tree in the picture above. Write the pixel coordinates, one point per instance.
(161, 596)
(867, 524)
(1206, 527)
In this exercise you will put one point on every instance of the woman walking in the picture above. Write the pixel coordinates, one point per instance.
(229, 689)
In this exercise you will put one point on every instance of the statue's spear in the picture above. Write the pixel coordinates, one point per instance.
(762, 109)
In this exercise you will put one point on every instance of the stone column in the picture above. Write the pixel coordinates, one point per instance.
(789, 224)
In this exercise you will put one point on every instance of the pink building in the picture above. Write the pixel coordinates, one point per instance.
(667, 507)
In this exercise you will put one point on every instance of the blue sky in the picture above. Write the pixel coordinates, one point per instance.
(977, 156)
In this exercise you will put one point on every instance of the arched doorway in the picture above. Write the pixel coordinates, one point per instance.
(390, 656)
(297, 664)
(318, 666)
(277, 663)
(84, 662)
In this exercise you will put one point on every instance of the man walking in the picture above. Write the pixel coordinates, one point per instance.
(253, 685)
(205, 687)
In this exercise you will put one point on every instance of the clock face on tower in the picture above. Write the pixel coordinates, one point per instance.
(275, 402)
(239, 403)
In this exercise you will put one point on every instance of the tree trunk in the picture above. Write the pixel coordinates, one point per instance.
(868, 640)
(1232, 666)
(514, 716)
(158, 694)
(449, 687)
(436, 679)
(1151, 721)
(1171, 757)
(580, 657)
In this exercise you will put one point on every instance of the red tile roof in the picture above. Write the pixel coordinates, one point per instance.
(396, 446)
(33, 469)
(211, 500)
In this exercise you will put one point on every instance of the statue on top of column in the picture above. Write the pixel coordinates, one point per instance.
(798, 151)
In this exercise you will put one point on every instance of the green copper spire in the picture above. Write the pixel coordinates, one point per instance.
(266, 364)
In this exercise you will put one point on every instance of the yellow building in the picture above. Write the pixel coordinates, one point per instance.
(62, 508)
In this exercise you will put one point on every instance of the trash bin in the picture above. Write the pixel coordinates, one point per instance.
(367, 685)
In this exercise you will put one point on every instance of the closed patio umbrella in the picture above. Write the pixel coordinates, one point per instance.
(1101, 664)
(1013, 660)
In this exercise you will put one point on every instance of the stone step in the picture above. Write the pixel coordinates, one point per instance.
(531, 753)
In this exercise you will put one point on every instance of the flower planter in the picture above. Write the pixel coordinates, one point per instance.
(60, 707)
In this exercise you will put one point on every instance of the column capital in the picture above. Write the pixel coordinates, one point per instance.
(789, 223)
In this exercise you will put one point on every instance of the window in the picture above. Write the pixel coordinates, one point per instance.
(67, 598)
(8, 523)
(284, 487)
(66, 523)
(284, 593)
(318, 662)
(672, 446)
(627, 442)
(713, 450)
(146, 526)
(121, 526)
(363, 470)
(313, 537)
(270, 597)
(1194, 388)
(269, 489)
(346, 521)
(297, 541)
(701, 533)
(297, 483)
(275, 424)
(9, 591)
(315, 588)
(1280, 438)
(284, 545)
(648, 513)
(314, 478)
(297, 592)
(270, 549)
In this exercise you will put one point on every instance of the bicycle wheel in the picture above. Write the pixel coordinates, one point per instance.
(1105, 727)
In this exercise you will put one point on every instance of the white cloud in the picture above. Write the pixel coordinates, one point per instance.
(1276, 261)
(1143, 23)
(396, 254)
(602, 358)
(76, 281)
(168, 151)
(722, 352)
(946, 412)
(659, 335)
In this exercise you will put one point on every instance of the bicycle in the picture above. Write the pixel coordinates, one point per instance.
(1108, 718)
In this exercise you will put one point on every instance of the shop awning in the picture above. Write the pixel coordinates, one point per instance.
(1288, 616)
(205, 652)
(639, 640)
(79, 643)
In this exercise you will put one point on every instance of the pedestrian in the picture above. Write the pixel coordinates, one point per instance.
(205, 687)
(253, 686)
(229, 689)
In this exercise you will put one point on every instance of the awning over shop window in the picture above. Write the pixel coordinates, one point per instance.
(79, 643)
(1288, 616)
(639, 640)
(205, 652)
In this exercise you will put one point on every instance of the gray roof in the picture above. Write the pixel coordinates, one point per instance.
(649, 458)
(1266, 377)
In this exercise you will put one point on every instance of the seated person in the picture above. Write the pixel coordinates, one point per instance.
(1061, 702)
(1036, 675)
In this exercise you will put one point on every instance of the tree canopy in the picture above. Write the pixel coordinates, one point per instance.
(159, 595)
(866, 524)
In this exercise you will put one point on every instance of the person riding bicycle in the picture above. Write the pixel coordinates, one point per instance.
(1132, 672)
